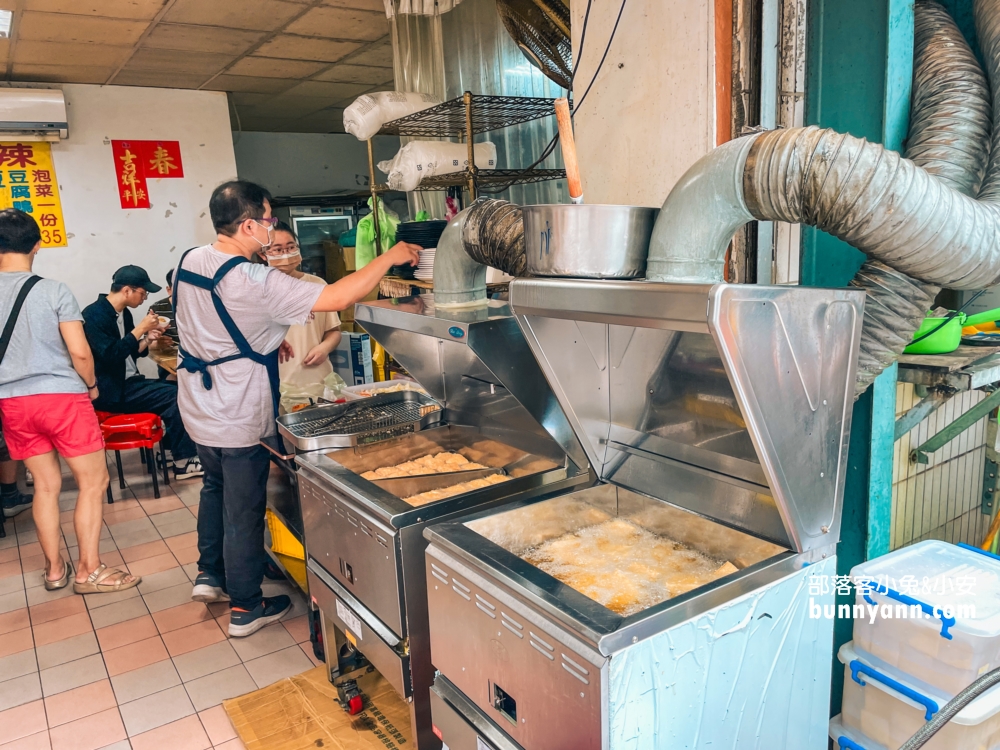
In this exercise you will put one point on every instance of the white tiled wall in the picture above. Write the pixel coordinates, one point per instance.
(940, 499)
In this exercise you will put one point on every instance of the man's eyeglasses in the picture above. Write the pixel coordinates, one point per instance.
(271, 222)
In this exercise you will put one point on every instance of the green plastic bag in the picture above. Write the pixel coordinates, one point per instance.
(387, 222)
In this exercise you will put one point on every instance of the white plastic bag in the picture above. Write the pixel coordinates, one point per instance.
(369, 112)
(420, 159)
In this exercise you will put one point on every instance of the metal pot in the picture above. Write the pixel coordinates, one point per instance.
(588, 241)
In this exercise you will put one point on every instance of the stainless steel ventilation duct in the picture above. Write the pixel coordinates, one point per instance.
(918, 224)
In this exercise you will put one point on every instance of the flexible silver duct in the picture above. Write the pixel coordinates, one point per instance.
(922, 231)
(950, 111)
(494, 235)
(987, 16)
(949, 137)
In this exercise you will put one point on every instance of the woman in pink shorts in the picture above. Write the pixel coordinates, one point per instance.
(47, 384)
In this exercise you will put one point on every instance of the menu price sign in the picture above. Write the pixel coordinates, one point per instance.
(138, 161)
(28, 183)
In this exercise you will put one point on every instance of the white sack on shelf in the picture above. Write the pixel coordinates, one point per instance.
(369, 112)
(420, 159)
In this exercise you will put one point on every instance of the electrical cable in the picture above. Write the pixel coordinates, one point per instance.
(583, 38)
(603, 58)
(951, 709)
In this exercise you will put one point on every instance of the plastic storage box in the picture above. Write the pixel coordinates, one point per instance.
(943, 621)
(888, 706)
(845, 738)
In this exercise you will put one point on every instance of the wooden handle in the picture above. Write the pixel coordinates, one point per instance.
(568, 145)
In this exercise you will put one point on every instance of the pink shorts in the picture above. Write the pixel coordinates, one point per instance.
(65, 422)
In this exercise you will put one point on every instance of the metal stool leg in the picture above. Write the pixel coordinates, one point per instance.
(3, 532)
(153, 473)
(166, 469)
(142, 456)
(121, 474)
(111, 498)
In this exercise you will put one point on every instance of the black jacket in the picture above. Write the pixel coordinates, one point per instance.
(100, 323)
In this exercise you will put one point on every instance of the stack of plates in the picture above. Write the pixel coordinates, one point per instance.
(425, 269)
(423, 233)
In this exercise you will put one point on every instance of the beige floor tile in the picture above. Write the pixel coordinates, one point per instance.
(124, 633)
(193, 637)
(181, 616)
(10, 602)
(164, 580)
(163, 599)
(152, 565)
(39, 594)
(89, 733)
(207, 660)
(53, 610)
(79, 703)
(297, 627)
(95, 601)
(61, 629)
(217, 725)
(234, 744)
(264, 641)
(16, 583)
(177, 528)
(186, 734)
(23, 721)
(118, 612)
(18, 665)
(156, 710)
(71, 649)
(285, 663)
(19, 691)
(135, 656)
(143, 551)
(15, 642)
(139, 683)
(39, 741)
(15, 620)
(211, 690)
(307, 649)
(73, 675)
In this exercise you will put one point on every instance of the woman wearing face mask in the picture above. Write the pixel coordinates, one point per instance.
(312, 342)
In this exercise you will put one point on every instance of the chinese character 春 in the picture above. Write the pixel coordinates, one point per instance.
(18, 176)
(24, 206)
(20, 191)
(41, 175)
(49, 220)
(162, 161)
(43, 191)
(18, 155)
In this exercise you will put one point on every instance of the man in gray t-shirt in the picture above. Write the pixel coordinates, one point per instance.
(227, 379)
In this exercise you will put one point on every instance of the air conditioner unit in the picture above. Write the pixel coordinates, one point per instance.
(33, 115)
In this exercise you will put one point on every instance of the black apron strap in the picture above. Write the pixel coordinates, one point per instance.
(15, 313)
(194, 364)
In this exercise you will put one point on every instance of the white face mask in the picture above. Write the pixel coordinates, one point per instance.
(269, 229)
(277, 259)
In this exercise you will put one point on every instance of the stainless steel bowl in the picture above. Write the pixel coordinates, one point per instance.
(588, 241)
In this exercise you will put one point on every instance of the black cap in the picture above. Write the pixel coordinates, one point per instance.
(135, 277)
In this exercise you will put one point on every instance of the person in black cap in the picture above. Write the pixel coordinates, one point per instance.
(117, 343)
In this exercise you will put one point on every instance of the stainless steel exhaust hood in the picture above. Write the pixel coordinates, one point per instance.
(732, 401)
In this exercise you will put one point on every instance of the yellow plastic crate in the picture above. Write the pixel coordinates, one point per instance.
(296, 569)
(283, 541)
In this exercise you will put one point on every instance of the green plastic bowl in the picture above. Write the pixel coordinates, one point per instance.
(948, 337)
(941, 341)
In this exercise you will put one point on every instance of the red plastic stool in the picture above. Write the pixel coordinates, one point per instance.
(127, 431)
